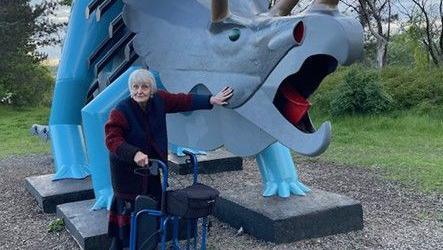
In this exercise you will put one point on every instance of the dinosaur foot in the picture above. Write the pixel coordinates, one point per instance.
(177, 150)
(279, 173)
(285, 188)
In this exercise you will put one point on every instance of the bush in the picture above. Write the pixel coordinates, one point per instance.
(321, 99)
(25, 83)
(414, 87)
(400, 50)
(405, 49)
(417, 88)
(360, 92)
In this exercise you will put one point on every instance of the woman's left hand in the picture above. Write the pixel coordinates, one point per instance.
(221, 97)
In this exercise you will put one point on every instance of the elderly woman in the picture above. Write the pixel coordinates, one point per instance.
(136, 132)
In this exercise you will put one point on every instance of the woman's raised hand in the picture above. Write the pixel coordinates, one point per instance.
(141, 159)
(221, 97)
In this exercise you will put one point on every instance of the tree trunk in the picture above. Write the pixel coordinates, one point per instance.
(382, 48)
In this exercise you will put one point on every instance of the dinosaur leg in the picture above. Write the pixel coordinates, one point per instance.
(95, 115)
(72, 84)
(279, 173)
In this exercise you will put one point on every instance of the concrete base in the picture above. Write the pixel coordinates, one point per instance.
(216, 161)
(88, 228)
(50, 193)
(296, 218)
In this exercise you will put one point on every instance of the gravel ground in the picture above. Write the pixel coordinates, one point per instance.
(23, 224)
(395, 216)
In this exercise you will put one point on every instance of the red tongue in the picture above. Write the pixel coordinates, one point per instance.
(293, 105)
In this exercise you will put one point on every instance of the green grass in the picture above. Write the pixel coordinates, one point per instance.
(409, 146)
(15, 138)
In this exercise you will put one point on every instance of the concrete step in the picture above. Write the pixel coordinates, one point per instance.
(49, 193)
(215, 161)
(284, 220)
(89, 228)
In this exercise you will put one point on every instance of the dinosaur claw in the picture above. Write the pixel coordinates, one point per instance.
(279, 172)
(283, 190)
(270, 189)
(297, 188)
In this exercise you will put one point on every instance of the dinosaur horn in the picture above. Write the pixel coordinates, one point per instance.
(283, 7)
(220, 10)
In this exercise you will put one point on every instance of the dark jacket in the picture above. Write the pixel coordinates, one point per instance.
(130, 129)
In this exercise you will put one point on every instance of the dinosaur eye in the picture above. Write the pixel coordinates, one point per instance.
(234, 34)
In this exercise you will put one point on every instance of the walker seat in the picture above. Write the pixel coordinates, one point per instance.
(195, 201)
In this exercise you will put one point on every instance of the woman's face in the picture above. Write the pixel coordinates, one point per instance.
(141, 92)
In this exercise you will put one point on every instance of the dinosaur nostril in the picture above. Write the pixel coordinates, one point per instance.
(299, 32)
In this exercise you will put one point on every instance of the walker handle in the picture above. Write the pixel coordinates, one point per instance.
(194, 163)
(165, 174)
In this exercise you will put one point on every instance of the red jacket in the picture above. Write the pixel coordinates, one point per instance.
(130, 129)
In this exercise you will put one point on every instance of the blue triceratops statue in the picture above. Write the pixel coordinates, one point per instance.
(251, 51)
(270, 59)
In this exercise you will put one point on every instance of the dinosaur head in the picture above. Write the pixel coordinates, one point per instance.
(274, 62)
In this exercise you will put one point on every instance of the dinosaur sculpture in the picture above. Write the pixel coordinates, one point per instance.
(200, 46)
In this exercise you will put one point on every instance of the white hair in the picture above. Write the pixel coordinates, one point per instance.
(142, 76)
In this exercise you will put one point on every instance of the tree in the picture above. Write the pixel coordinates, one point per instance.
(426, 19)
(406, 50)
(23, 28)
(376, 16)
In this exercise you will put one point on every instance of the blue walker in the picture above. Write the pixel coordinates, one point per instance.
(165, 216)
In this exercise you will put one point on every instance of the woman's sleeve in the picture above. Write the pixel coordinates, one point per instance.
(184, 102)
(115, 140)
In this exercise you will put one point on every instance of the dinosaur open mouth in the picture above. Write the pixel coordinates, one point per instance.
(294, 90)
